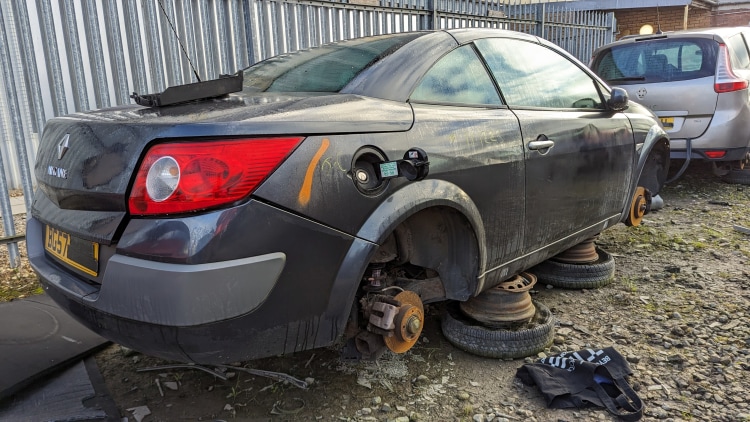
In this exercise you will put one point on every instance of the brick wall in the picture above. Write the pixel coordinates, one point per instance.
(629, 21)
(736, 17)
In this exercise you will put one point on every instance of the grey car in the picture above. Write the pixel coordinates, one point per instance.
(326, 195)
(696, 81)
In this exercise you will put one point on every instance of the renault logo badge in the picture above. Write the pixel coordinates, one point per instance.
(62, 146)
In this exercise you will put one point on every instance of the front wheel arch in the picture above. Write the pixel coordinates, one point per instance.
(655, 168)
(652, 168)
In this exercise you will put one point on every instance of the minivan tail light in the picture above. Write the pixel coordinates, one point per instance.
(191, 176)
(725, 79)
(715, 154)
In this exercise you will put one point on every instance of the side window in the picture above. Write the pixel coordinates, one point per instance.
(457, 78)
(532, 75)
(740, 57)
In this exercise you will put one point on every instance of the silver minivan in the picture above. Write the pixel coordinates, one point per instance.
(696, 81)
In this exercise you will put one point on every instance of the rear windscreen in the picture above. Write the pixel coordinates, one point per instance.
(327, 68)
(659, 60)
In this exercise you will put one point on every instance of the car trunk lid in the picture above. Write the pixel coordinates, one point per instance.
(86, 161)
(685, 108)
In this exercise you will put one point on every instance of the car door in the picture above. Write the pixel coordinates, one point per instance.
(473, 140)
(578, 155)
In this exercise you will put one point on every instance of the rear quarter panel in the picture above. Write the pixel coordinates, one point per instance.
(478, 150)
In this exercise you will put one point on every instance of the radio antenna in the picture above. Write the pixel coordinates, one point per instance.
(658, 19)
(180, 41)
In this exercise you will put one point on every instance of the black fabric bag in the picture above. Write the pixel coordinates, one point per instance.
(586, 377)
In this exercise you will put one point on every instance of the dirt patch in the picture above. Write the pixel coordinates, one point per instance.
(677, 310)
(18, 282)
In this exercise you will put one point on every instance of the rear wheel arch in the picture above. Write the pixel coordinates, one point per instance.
(437, 226)
(441, 239)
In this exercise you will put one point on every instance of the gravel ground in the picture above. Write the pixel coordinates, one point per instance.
(677, 310)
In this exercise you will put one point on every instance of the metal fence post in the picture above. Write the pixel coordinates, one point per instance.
(7, 212)
(434, 10)
(541, 18)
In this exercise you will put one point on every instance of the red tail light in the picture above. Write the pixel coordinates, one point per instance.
(191, 176)
(725, 79)
(715, 154)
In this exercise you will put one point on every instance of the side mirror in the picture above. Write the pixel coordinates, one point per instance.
(618, 99)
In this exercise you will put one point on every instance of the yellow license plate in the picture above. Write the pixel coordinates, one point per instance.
(667, 122)
(78, 253)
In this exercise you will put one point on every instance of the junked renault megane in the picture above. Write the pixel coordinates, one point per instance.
(334, 193)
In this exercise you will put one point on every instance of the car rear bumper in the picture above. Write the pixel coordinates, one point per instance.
(728, 131)
(222, 311)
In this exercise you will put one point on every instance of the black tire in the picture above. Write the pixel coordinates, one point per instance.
(577, 276)
(739, 177)
(469, 335)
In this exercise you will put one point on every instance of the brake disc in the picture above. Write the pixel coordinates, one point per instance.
(638, 206)
(408, 321)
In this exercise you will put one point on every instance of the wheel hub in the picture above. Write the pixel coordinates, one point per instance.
(413, 325)
(505, 304)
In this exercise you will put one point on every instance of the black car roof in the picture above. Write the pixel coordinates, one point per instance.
(416, 57)
(465, 35)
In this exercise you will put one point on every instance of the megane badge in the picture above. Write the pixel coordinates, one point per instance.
(62, 146)
(641, 93)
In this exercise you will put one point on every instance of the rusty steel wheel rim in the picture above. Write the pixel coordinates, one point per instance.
(409, 323)
(505, 304)
(582, 253)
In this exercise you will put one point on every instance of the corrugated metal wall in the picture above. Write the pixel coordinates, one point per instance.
(62, 56)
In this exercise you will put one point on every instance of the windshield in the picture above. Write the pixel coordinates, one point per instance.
(322, 69)
(661, 60)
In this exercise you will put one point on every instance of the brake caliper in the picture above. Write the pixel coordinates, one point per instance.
(398, 319)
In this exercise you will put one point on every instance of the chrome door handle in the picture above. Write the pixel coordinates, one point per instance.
(539, 145)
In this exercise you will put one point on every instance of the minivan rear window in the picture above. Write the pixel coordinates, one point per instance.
(659, 60)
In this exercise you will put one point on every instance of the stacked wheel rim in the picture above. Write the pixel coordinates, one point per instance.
(577, 276)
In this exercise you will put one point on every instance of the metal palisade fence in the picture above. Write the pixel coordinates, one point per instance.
(62, 56)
